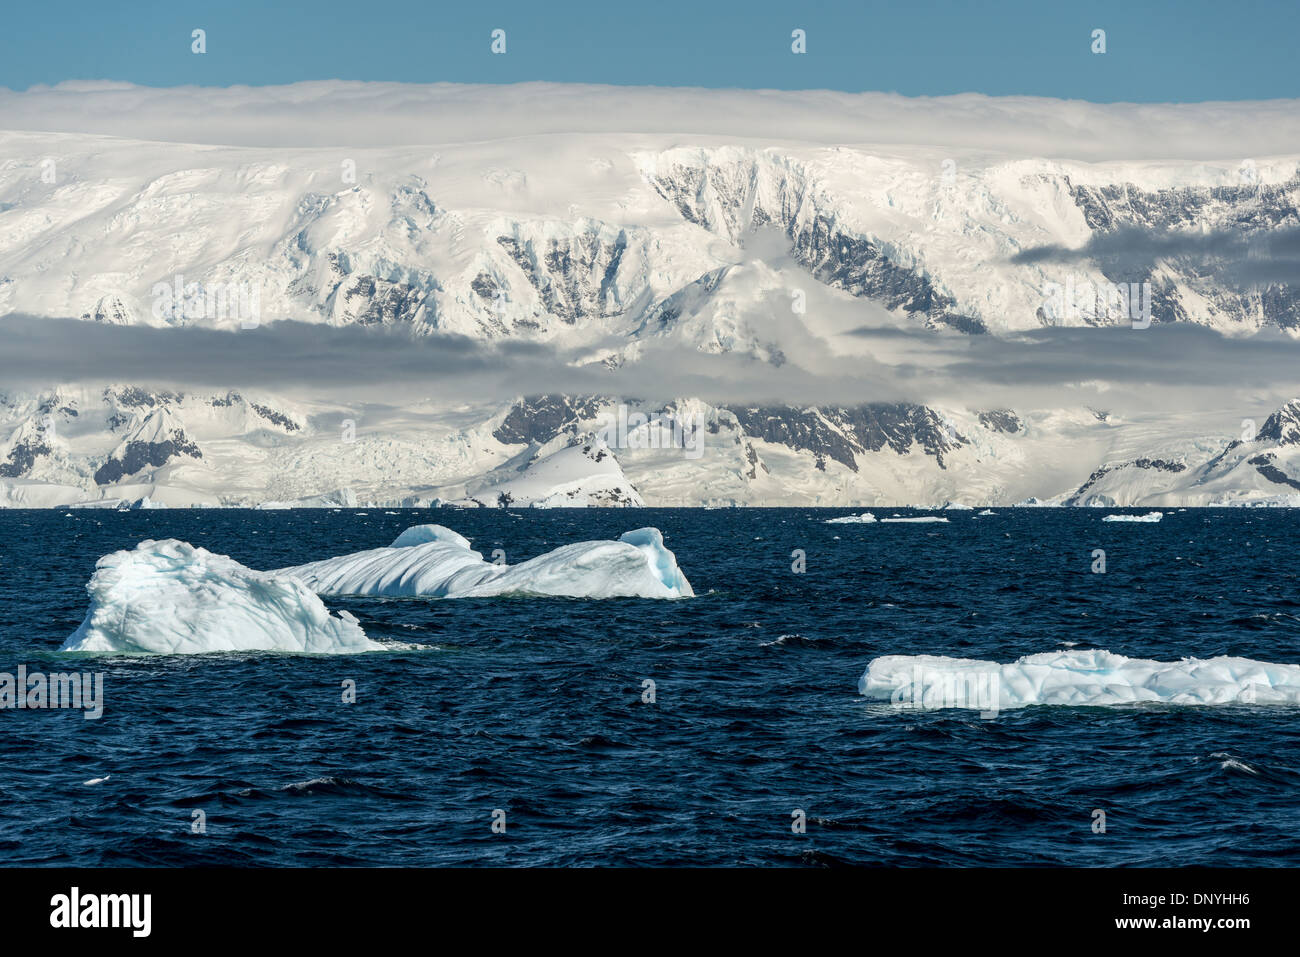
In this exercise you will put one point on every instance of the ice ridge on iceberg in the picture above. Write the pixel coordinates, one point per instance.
(170, 598)
(430, 561)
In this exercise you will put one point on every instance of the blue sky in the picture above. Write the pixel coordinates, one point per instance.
(1157, 50)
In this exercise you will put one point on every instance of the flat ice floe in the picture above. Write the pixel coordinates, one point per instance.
(170, 598)
(1148, 517)
(916, 519)
(866, 518)
(1076, 678)
(430, 561)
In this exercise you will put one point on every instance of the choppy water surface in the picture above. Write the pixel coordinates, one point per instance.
(534, 706)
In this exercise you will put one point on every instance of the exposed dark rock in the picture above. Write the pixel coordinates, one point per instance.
(138, 456)
(859, 267)
(1248, 209)
(1160, 465)
(1001, 420)
(485, 287)
(1265, 467)
(574, 277)
(133, 397)
(278, 418)
(724, 198)
(373, 302)
(541, 418)
(1283, 426)
(841, 433)
(23, 456)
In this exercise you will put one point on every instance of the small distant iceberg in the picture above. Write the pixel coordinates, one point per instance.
(866, 518)
(1148, 517)
(916, 518)
(987, 511)
(1076, 678)
(431, 561)
(957, 507)
(170, 598)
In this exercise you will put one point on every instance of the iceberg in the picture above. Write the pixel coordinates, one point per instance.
(1076, 678)
(1148, 517)
(430, 561)
(866, 518)
(423, 534)
(170, 598)
(916, 519)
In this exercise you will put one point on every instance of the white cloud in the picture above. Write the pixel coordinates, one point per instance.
(355, 114)
(1173, 367)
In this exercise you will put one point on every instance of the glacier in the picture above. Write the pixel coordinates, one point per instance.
(1076, 678)
(431, 561)
(170, 598)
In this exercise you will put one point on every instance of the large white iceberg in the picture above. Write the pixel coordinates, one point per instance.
(430, 561)
(170, 598)
(1076, 678)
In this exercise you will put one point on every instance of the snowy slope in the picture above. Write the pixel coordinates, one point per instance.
(1256, 467)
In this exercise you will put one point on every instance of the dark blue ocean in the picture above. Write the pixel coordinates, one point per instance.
(534, 706)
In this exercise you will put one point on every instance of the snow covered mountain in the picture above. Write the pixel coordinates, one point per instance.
(770, 250)
(134, 232)
(121, 447)
(1257, 466)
